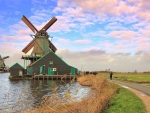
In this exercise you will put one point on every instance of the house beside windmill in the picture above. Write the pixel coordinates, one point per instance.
(43, 59)
(50, 64)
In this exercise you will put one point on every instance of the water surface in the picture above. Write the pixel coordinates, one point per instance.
(18, 95)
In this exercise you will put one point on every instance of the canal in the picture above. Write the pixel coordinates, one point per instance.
(19, 95)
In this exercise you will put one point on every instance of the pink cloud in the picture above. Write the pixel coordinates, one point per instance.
(98, 5)
(61, 3)
(145, 32)
(123, 34)
(144, 15)
(17, 38)
(24, 32)
(84, 41)
(103, 8)
(145, 5)
(124, 8)
(63, 41)
(143, 46)
(9, 37)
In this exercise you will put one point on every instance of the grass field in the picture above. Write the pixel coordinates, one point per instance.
(130, 77)
(126, 102)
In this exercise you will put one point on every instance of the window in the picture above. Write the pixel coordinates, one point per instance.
(50, 62)
(54, 69)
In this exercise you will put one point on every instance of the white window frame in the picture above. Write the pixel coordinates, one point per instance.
(54, 69)
(51, 62)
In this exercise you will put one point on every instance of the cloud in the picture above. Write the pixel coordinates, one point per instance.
(139, 52)
(144, 15)
(115, 26)
(24, 32)
(92, 48)
(63, 41)
(100, 60)
(14, 58)
(83, 41)
(8, 48)
(9, 37)
(124, 34)
(100, 33)
(97, 5)
(144, 5)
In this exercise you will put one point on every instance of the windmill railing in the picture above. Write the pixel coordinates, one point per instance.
(32, 56)
(28, 59)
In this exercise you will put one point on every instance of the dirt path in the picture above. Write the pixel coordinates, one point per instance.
(144, 97)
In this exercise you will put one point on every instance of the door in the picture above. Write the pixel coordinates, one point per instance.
(72, 71)
(50, 71)
(20, 73)
(42, 69)
(30, 70)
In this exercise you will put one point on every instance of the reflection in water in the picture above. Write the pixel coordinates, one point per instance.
(16, 95)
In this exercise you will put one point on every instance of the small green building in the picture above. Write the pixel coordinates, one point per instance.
(16, 70)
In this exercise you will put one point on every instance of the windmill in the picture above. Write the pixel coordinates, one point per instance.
(2, 64)
(40, 43)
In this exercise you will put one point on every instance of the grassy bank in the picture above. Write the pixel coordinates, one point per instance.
(96, 102)
(126, 102)
(129, 77)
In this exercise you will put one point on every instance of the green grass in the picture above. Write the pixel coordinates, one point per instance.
(125, 102)
(130, 77)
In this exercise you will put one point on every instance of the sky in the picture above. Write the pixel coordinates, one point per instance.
(91, 35)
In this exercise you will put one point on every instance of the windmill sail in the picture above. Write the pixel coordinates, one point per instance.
(50, 23)
(40, 43)
(29, 24)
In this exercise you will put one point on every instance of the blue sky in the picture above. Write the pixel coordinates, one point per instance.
(95, 34)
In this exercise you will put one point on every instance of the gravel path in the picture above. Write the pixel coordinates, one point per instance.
(141, 91)
(135, 86)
